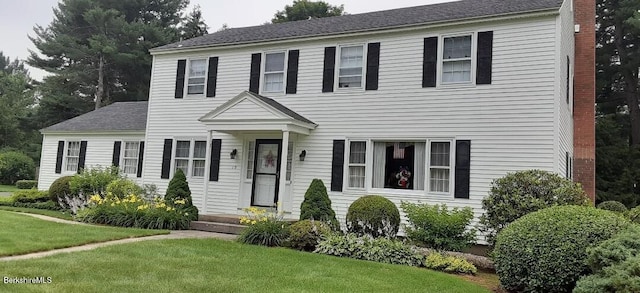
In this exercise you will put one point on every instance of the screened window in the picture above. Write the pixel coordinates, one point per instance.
(399, 165)
(357, 163)
(351, 67)
(199, 158)
(72, 156)
(197, 72)
(130, 158)
(456, 59)
(440, 167)
(274, 73)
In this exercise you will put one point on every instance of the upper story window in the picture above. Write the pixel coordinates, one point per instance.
(456, 59)
(351, 66)
(130, 158)
(197, 74)
(274, 70)
(72, 156)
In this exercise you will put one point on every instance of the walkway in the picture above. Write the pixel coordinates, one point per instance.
(176, 234)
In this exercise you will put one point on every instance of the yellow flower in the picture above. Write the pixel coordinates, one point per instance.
(253, 222)
(95, 198)
(113, 204)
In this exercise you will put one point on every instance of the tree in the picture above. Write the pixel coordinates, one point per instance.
(178, 190)
(304, 9)
(194, 25)
(317, 205)
(9, 67)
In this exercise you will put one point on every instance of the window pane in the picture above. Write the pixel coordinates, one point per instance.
(200, 149)
(274, 62)
(182, 149)
(456, 71)
(440, 153)
(439, 180)
(356, 177)
(72, 164)
(273, 82)
(131, 149)
(351, 63)
(250, 157)
(351, 56)
(183, 165)
(457, 47)
(198, 168)
(195, 89)
(353, 81)
(73, 148)
(289, 159)
(357, 152)
(130, 166)
(197, 68)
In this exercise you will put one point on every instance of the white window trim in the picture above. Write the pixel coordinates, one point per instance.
(367, 164)
(336, 82)
(66, 151)
(474, 57)
(263, 72)
(123, 156)
(192, 145)
(452, 157)
(185, 89)
(245, 159)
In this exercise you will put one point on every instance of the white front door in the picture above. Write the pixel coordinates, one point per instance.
(266, 172)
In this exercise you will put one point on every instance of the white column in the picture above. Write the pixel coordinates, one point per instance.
(207, 168)
(283, 169)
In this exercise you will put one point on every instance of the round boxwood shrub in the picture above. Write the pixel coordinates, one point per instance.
(305, 234)
(614, 206)
(634, 215)
(546, 251)
(60, 188)
(373, 215)
(523, 192)
(15, 166)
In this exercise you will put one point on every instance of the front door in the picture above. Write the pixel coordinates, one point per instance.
(266, 172)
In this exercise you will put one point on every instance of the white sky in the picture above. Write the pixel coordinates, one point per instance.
(17, 18)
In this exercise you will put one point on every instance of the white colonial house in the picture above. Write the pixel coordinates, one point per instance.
(422, 104)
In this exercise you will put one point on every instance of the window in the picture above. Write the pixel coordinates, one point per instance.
(274, 73)
(289, 159)
(130, 158)
(182, 156)
(199, 158)
(197, 72)
(456, 59)
(72, 156)
(357, 160)
(351, 67)
(440, 167)
(399, 165)
(191, 156)
(250, 157)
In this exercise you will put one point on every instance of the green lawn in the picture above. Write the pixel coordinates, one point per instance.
(50, 213)
(20, 234)
(8, 188)
(211, 265)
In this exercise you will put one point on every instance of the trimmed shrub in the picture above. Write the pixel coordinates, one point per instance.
(60, 188)
(616, 250)
(520, 193)
(26, 184)
(438, 227)
(122, 187)
(622, 277)
(266, 233)
(449, 264)
(30, 196)
(15, 166)
(614, 206)
(365, 247)
(178, 189)
(373, 215)
(46, 205)
(305, 234)
(546, 251)
(634, 215)
(6, 201)
(317, 205)
(94, 181)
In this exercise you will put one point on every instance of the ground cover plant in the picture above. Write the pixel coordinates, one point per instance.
(209, 265)
(22, 234)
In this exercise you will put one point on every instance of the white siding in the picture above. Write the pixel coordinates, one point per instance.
(510, 123)
(99, 153)
(564, 111)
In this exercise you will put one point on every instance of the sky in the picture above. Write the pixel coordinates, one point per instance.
(17, 18)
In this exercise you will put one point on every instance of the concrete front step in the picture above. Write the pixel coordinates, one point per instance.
(217, 227)
(227, 219)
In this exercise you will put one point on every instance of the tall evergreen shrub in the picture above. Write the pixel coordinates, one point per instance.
(317, 205)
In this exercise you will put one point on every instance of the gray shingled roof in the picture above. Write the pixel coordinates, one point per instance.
(122, 116)
(402, 17)
(282, 108)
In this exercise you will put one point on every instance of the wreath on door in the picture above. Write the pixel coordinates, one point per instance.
(269, 160)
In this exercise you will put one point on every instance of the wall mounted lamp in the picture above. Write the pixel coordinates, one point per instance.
(303, 154)
(233, 154)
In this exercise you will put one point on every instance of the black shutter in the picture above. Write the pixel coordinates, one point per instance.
(485, 57)
(463, 162)
(212, 77)
(254, 77)
(373, 64)
(182, 67)
(166, 158)
(59, 156)
(337, 165)
(83, 155)
(115, 160)
(568, 75)
(140, 158)
(214, 166)
(328, 73)
(292, 71)
(430, 62)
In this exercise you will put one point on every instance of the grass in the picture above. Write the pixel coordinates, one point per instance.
(8, 188)
(22, 234)
(211, 265)
(50, 213)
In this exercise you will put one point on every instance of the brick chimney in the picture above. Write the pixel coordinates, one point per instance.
(584, 145)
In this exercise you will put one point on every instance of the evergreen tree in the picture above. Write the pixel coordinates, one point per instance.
(304, 9)
(178, 189)
(317, 205)
(194, 25)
